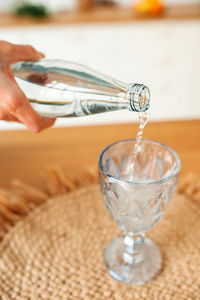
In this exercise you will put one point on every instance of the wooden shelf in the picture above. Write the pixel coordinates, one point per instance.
(101, 14)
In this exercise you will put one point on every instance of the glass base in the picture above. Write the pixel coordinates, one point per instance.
(143, 267)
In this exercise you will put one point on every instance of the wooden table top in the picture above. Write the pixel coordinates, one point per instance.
(24, 155)
(104, 14)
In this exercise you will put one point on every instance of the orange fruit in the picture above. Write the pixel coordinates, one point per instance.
(149, 6)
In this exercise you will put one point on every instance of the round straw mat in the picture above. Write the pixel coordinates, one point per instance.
(56, 252)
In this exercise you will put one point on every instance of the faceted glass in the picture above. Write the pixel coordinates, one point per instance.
(136, 191)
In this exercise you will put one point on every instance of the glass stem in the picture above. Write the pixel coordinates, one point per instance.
(133, 247)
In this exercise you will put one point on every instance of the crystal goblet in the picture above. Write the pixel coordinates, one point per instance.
(136, 190)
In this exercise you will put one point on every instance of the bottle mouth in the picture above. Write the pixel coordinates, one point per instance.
(139, 97)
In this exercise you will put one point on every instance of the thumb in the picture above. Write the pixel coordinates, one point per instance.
(20, 53)
(23, 52)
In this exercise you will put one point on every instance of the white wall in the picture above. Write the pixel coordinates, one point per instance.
(164, 55)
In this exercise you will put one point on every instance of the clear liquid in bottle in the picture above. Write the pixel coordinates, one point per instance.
(57, 88)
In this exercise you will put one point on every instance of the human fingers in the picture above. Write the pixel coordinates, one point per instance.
(25, 114)
(25, 52)
(33, 125)
(8, 117)
(20, 108)
(14, 102)
(10, 53)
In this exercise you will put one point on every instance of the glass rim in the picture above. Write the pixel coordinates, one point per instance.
(162, 180)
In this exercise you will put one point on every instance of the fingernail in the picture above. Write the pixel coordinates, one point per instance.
(40, 55)
(49, 122)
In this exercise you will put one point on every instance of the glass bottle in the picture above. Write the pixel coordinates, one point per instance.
(57, 88)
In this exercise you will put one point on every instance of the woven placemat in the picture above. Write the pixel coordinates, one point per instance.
(56, 251)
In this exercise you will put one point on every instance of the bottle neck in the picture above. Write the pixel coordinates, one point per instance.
(138, 96)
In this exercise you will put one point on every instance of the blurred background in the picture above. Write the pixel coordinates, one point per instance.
(146, 41)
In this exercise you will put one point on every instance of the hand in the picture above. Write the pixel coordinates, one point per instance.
(14, 106)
